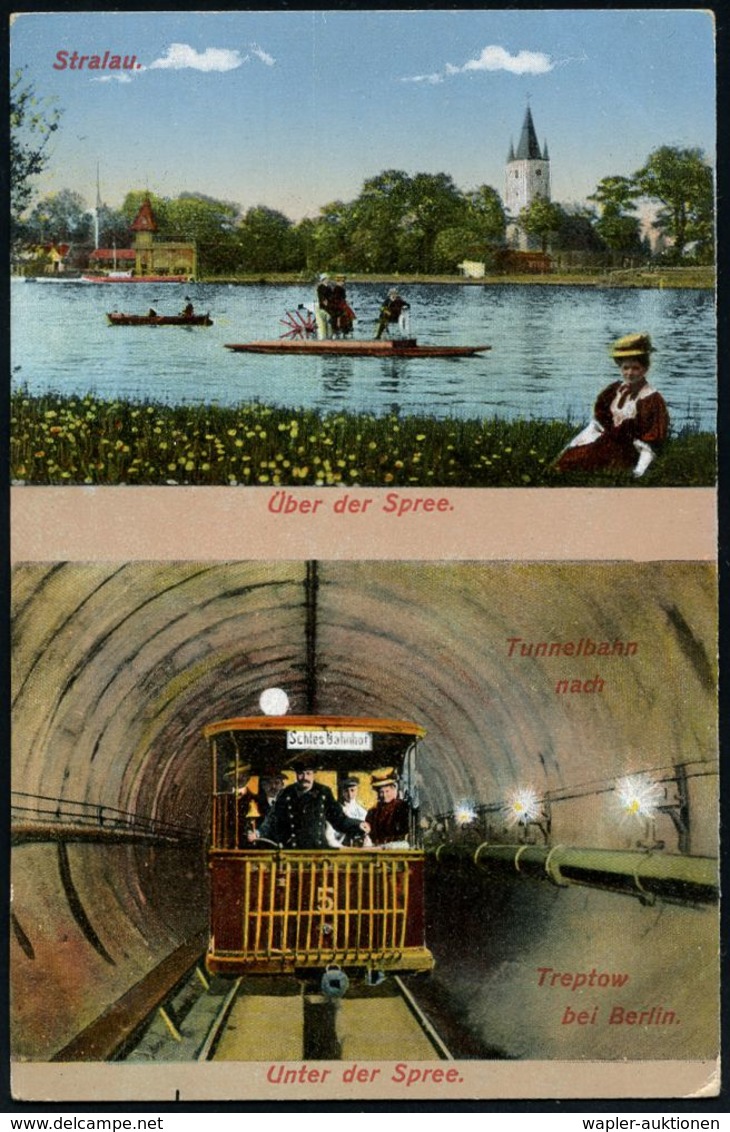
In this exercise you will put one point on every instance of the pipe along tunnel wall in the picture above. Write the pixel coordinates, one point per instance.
(117, 668)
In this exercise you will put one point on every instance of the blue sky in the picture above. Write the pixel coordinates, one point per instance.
(296, 109)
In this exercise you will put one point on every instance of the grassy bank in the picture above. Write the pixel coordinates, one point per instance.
(84, 440)
(702, 278)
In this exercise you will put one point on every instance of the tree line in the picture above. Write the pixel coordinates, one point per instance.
(399, 223)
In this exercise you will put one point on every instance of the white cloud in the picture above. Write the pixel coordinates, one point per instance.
(432, 78)
(180, 56)
(493, 58)
(264, 56)
(122, 78)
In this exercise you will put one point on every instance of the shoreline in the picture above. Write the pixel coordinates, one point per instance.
(681, 278)
(654, 278)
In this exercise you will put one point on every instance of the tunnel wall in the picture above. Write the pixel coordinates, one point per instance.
(491, 938)
(90, 921)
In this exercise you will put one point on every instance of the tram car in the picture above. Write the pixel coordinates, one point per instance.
(355, 905)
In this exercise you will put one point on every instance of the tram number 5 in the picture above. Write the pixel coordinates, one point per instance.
(325, 898)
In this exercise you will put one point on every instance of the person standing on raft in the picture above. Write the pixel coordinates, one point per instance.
(341, 313)
(322, 315)
(630, 418)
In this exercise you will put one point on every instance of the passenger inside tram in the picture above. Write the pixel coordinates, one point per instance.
(354, 809)
(241, 806)
(390, 818)
(272, 783)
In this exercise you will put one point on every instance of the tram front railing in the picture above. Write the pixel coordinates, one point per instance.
(300, 908)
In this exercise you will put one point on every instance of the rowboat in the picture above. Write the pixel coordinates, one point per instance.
(354, 348)
(117, 319)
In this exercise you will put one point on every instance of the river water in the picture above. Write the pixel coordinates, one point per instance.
(548, 359)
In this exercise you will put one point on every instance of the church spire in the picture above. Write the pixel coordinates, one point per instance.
(529, 147)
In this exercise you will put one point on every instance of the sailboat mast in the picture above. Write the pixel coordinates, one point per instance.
(97, 210)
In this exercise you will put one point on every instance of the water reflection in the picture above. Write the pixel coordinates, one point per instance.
(393, 372)
(549, 355)
(337, 376)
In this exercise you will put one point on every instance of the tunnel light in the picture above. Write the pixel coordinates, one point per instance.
(274, 701)
(639, 797)
(464, 814)
(522, 807)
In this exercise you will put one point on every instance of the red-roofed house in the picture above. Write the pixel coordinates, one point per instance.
(154, 257)
(121, 259)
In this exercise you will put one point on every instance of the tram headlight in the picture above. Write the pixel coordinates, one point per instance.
(274, 701)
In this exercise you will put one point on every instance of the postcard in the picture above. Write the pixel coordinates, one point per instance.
(364, 570)
(431, 828)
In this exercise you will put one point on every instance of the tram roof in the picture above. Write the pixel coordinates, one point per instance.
(285, 723)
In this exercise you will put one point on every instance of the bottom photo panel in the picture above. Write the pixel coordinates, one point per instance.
(373, 829)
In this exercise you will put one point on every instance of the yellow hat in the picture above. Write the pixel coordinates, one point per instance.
(383, 778)
(632, 346)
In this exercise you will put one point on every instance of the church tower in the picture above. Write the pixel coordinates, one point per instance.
(528, 171)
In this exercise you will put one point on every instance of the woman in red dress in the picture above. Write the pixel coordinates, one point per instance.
(630, 419)
(390, 819)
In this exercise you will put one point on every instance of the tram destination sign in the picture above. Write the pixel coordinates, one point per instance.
(329, 740)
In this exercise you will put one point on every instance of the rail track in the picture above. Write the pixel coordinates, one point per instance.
(278, 1019)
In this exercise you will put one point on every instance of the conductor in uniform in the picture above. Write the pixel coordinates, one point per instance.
(298, 819)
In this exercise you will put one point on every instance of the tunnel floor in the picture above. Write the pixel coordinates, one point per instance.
(281, 1019)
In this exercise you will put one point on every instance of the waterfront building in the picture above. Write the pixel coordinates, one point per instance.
(160, 257)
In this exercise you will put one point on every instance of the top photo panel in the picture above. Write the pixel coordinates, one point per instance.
(363, 248)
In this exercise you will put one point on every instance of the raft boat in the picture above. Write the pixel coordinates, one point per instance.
(117, 319)
(362, 348)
